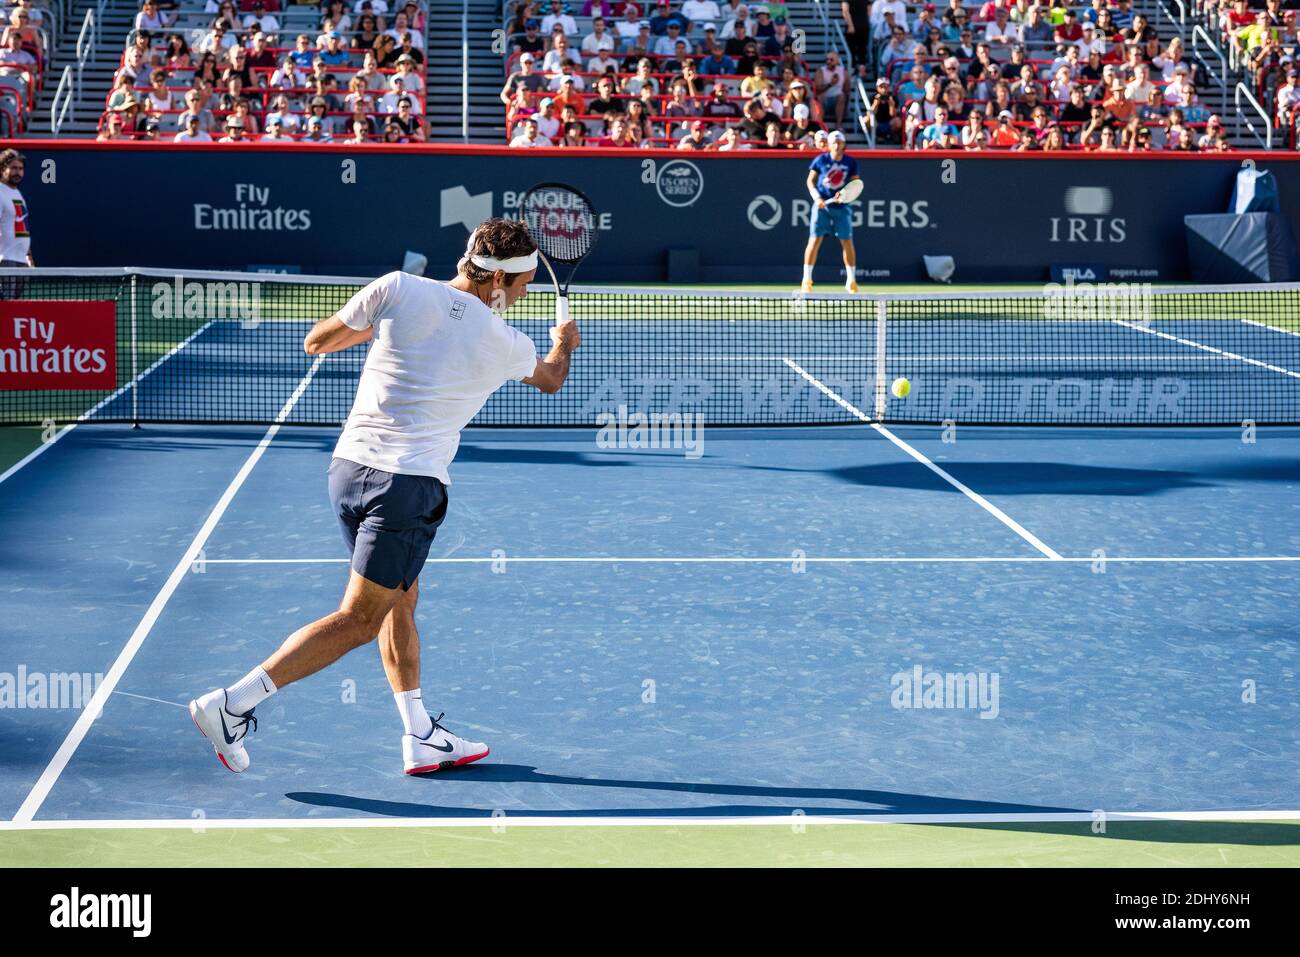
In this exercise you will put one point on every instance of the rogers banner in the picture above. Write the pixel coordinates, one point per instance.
(57, 344)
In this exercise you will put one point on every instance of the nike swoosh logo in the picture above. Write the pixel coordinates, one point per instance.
(264, 687)
(225, 732)
(437, 747)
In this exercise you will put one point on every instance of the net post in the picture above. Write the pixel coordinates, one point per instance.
(881, 385)
(135, 361)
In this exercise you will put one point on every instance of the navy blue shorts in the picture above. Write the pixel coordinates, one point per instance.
(388, 520)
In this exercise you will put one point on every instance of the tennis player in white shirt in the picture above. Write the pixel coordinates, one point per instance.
(439, 350)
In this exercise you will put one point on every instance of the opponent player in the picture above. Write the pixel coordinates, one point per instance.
(439, 350)
(829, 173)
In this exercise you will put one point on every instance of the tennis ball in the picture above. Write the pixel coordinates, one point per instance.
(901, 387)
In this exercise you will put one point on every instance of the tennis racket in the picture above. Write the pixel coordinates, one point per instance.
(849, 193)
(562, 222)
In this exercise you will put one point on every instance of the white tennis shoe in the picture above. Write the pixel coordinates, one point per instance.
(226, 731)
(439, 751)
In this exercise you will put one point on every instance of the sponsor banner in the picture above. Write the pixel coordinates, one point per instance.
(1079, 272)
(330, 211)
(51, 344)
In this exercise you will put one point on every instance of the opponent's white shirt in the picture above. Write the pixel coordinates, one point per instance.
(14, 237)
(438, 353)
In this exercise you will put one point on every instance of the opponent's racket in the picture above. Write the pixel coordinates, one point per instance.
(849, 193)
(562, 222)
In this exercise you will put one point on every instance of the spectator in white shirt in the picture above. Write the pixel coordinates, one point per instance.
(666, 45)
(217, 40)
(598, 39)
(627, 29)
(602, 62)
(1001, 31)
(566, 75)
(388, 103)
(402, 26)
(1139, 89)
(557, 15)
(259, 19)
(1091, 41)
(876, 17)
(281, 113)
(192, 133)
(558, 54)
(151, 18)
(406, 70)
(700, 12)
(530, 137)
(548, 124)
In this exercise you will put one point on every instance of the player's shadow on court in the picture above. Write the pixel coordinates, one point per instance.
(854, 801)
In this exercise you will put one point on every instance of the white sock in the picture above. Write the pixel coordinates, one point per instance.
(415, 718)
(249, 691)
(807, 272)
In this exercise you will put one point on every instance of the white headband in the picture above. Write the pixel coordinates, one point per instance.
(514, 264)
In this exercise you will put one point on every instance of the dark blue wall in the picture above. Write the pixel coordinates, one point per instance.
(335, 210)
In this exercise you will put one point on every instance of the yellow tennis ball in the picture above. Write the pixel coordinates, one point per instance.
(901, 387)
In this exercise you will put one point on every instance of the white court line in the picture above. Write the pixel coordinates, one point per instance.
(1202, 346)
(648, 820)
(787, 559)
(1265, 325)
(975, 497)
(101, 403)
(95, 706)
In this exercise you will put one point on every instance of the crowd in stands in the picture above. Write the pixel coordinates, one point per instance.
(24, 47)
(1020, 75)
(990, 74)
(230, 72)
(691, 75)
(1263, 44)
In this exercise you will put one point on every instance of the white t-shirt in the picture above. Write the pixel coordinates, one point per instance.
(437, 354)
(700, 12)
(14, 238)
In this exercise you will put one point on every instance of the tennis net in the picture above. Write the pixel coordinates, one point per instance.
(227, 348)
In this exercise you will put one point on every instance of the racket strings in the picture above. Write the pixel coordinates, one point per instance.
(561, 222)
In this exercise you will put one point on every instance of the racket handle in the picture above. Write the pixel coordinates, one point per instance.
(561, 310)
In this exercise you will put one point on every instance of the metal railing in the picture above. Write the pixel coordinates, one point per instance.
(859, 102)
(1200, 36)
(1243, 92)
(62, 112)
(86, 42)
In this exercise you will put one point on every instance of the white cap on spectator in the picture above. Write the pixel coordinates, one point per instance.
(547, 101)
(644, 25)
(710, 26)
(1006, 113)
(526, 57)
(259, 35)
(801, 111)
(836, 135)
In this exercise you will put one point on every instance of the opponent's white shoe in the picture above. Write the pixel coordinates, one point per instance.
(439, 751)
(225, 730)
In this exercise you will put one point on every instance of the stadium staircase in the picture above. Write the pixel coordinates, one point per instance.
(111, 21)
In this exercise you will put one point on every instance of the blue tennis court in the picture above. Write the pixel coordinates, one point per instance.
(872, 620)
(639, 633)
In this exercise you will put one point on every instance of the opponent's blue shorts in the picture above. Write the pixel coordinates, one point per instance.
(388, 520)
(833, 220)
